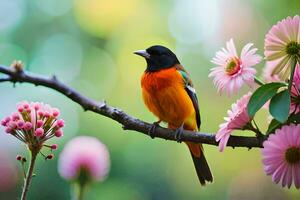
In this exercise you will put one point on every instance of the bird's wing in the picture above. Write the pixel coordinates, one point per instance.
(191, 92)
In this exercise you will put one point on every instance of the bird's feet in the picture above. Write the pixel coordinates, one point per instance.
(152, 129)
(178, 133)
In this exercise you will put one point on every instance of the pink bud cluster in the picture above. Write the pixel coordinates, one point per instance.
(34, 123)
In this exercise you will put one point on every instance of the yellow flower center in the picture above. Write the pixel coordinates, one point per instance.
(292, 155)
(233, 66)
(293, 48)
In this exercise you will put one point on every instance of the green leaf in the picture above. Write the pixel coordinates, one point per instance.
(262, 95)
(273, 126)
(280, 106)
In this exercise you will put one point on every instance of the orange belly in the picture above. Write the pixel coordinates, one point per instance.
(165, 96)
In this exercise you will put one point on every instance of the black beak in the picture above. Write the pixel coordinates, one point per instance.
(142, 53)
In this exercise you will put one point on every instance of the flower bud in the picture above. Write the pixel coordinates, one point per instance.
(39, 123)
(8, 130)
(49, 157)
(15, 116)
(27, 126)
(36, 106)
(40, 113)
(55, 112)
(19, 158)
(60, 123)
(3, 122)
(25, 105)
(39, 132)
(59, 133)
(17, 65)
(20, 124)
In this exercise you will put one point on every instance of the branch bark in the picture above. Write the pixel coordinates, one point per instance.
(128, 122)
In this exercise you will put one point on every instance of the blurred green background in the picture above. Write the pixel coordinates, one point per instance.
(88, 44)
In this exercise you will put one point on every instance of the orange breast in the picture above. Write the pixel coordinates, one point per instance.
(164, 95)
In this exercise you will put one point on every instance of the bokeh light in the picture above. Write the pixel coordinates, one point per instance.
(10, 52)
(60, 54)
(54, 7)
(101, 17)
(194, 21)
(11, 13)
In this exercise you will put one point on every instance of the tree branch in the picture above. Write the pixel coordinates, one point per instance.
(128, 122)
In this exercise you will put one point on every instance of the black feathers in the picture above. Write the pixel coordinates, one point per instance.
(160, 58)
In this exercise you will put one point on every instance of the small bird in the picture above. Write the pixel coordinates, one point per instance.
(168, 93)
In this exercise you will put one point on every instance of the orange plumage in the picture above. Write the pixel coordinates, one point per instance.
(165, 96)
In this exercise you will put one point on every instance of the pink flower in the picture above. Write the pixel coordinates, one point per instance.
(233, 71)
(281, 156)
(295, 92)
(60, 123)
(237, 118)
(54, 146)
(59, 133)
(282, 44)
(86, 155)
(39, 132)
(29, 126)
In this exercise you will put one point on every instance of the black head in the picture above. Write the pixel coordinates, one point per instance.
(158, 57)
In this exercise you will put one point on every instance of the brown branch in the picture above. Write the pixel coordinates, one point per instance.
(128, 122)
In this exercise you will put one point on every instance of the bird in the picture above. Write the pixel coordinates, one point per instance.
(168, 93)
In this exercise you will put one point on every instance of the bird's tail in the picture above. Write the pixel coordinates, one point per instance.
(201, 165)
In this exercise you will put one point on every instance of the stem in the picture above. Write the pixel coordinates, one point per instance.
(23, 169)
(81, 192)
(28, 177)
(256, 130)
(77, 191)
(258, 81)
(292, 73)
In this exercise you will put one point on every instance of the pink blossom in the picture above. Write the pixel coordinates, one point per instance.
(30, 123)
(21, 124)
(281, 156)
(15, 116)
(28, 126)
(295, 92)
(54, 146)
(282, 44)
(84, 153)
(36, 106)
(60, 123)
(39, 123)
(55, 112)
(232, 71)
(39, 132)
(19, 158)
(237, 118)
(8, 130)
(3, 122)
(59, 133)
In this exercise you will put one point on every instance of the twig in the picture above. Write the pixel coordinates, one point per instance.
(128, 122)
